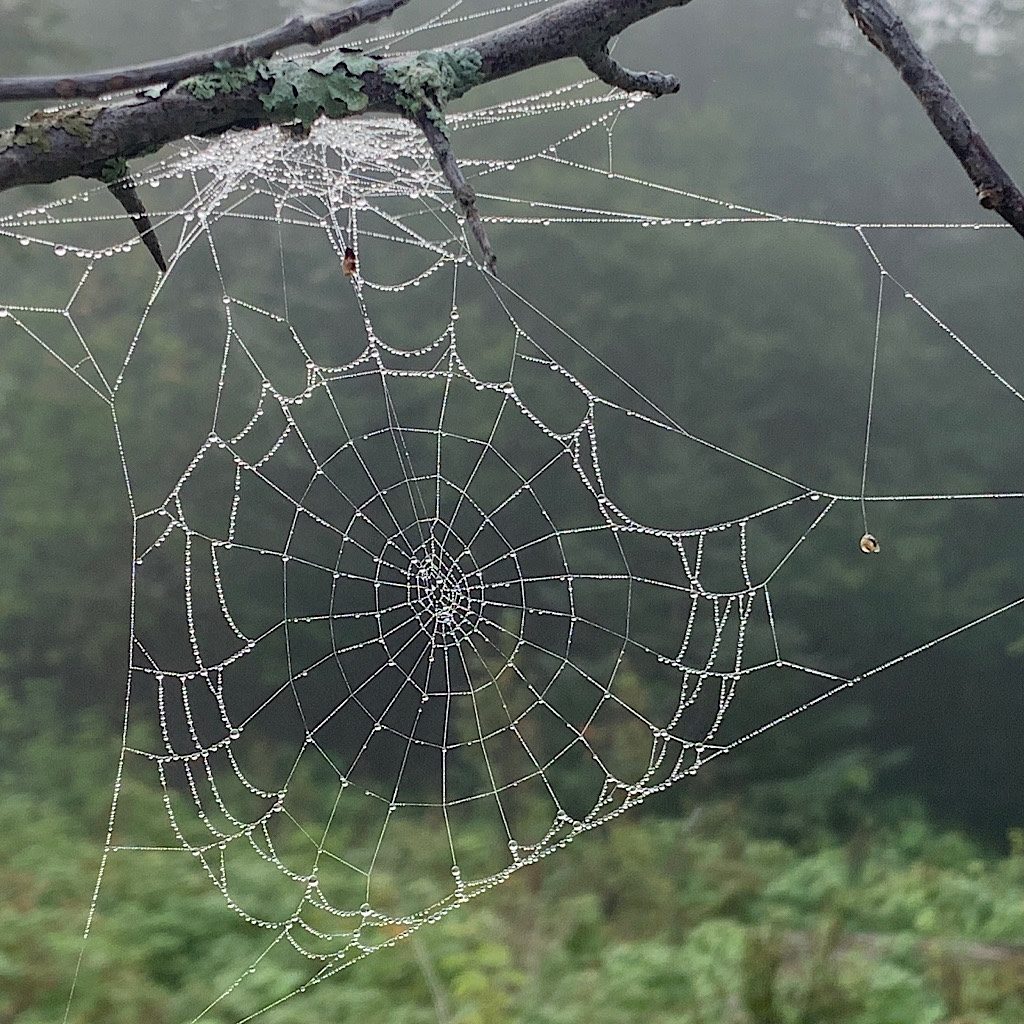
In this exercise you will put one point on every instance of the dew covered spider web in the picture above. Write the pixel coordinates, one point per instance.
(381, 517)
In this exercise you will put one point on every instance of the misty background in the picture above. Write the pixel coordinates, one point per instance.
(846, 866)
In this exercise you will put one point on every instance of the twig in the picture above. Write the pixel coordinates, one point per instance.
(124, 192)
(461, 188)
(311, 31)
(568, 29)
(798, 944)
(608, 70)
(887, 33)
(441, 1008)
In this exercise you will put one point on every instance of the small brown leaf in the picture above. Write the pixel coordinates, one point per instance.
(869, 544)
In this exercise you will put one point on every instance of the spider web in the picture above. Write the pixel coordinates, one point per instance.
(397, 541)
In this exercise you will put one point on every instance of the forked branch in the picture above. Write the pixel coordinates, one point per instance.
(52, 146)
(233, 95)
(240, 94)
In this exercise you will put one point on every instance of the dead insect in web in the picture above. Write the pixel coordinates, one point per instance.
(297, 130)
(348, 263)
(869, 545)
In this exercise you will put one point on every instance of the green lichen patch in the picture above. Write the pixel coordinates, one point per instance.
(430, 80)
(224, 79)
(35, 131)
(331, 86)
(28, 134)
(77, 122)
(113, 170)
(354, 63)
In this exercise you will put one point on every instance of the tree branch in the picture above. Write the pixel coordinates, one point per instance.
(78, 142)
(569, 29)
(610, 71)
(311, 31)
(887, 33)
(57, 145)
(461, 188)
(124, 192)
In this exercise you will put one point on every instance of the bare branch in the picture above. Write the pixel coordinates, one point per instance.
(569, 29)
(124, 192)
(311, 31)
(610, 71)
(461, 188)
(887, 33)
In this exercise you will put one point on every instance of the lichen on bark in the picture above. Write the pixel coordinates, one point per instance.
(331, 86)
(427, 82)
(224, 79)
(35, 131)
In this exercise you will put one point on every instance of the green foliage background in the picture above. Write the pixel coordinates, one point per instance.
(860, 865)
(865, 913)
